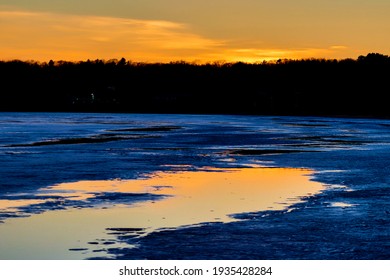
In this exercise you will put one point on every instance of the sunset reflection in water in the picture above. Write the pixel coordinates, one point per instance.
(190, 197)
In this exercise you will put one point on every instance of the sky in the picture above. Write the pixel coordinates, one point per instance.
(192, 30)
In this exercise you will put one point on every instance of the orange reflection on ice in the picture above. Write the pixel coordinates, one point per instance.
(10, 205)
(203, 196)
(193, 197)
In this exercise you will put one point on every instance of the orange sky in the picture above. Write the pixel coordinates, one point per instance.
(194, 31)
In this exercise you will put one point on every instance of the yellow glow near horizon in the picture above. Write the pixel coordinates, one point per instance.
(43, 36)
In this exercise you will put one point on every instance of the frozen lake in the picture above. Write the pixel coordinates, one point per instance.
(132, 186)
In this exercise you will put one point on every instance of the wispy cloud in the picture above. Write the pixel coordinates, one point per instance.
(44, 36)
(339, 47)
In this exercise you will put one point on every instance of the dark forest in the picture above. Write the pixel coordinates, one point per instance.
(349, 87)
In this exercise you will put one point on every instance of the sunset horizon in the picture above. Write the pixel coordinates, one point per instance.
(195, 32)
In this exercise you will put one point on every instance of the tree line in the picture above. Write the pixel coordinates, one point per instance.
(348, 87)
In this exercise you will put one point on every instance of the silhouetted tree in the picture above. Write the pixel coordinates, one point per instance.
(295, 87)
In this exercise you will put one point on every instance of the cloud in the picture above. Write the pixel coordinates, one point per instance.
(43, 36)
(339, 47)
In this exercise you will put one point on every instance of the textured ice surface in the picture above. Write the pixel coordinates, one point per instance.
(351, 156)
